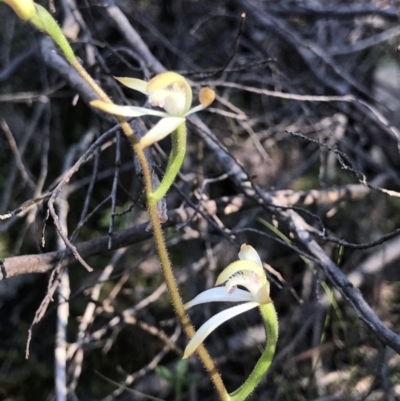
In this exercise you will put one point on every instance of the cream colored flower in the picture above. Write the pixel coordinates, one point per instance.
(249, 273)
(168, 90)
(25, 9)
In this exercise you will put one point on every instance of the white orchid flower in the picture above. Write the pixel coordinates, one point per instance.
(247, 272)
(168, 90)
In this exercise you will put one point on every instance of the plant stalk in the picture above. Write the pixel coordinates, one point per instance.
(46, 23)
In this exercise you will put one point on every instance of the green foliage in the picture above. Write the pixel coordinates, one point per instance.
(179, 378)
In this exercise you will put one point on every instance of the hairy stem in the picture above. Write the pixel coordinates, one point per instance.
(45, 22)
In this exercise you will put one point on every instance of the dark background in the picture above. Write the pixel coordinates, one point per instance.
(307, 109)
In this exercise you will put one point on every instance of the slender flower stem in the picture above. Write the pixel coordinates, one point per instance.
(160, 242)
(43, 20)
(177, 302)
(270, 318)
(174, 164)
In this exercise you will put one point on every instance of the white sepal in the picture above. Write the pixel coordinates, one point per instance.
(195, 109)
(162, 129)
(220, 294)
(134, 83)
(211, 324)
(127, 111)
(247, 252)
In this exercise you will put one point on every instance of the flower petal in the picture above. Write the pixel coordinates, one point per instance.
(133, 83)
(171, 79)
(163, 128)
(206, 97)
(211, 324)
(238, 266)
(195, 109)
(247, 252)
(220, 294)
(127, 111)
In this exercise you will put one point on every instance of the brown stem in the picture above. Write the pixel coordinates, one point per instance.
(159, 238)
(169, 276)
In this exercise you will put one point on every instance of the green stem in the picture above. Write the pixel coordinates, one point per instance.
(174, 149)
(44, 21)
(174, 164)
(270, 318)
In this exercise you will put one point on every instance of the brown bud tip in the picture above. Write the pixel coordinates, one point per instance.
(206, 96)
